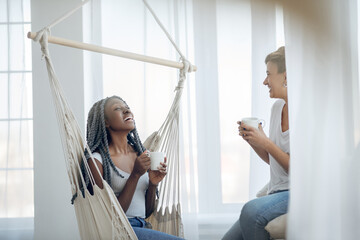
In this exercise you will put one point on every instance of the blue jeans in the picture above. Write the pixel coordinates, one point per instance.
(256, 214)
(142, 233)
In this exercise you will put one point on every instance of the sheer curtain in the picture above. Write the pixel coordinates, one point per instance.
(232, 39)
(263, 26)
(16, 121)
(322, 71)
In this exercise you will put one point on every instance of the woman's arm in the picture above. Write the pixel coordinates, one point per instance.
(257, 138)
(154, 178)
(279, 155)
(150, 199)
(126, 195)
(142, 163)
(264, 155)
(98, 178)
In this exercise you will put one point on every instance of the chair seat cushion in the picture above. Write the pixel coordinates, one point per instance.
(277, 227)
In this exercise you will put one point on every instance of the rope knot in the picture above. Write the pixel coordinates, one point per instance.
(188, 67)
(42, 38)
(182, 76)
(180, 85)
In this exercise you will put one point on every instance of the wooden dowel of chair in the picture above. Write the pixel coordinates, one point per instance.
(111, 51)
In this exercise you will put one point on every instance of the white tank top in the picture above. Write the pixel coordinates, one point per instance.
(279, 179)
(137, 205)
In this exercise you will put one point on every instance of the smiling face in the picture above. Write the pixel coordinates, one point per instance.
(275, 81)
(118, 116)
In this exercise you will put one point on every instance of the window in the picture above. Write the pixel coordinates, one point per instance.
(234, 69)
(236, 93)
(356, 110)
(16, 121)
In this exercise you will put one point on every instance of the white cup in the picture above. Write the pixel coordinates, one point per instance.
(156, 158)
(253, 122)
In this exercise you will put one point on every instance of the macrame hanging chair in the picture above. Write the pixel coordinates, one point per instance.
(99, 215)
(167, 217)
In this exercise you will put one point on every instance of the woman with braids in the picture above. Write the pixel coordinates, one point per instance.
(123, 162)
(275, 151)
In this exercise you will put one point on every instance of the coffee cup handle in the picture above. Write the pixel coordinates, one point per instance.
(262, 122)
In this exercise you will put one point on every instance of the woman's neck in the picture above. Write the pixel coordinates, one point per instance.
(119, 143)
(284, 97)
(285, 117)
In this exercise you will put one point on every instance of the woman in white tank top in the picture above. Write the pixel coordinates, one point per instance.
(124, 163)
(273, 150)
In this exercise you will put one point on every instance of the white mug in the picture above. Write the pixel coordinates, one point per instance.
(156, 158)
(253, 122)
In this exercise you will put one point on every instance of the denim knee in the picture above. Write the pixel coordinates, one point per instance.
(250, 215)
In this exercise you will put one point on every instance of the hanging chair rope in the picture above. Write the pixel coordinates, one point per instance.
(68, 14)
(100, 215)
(163, 28)
(109, 51)
(190, 67)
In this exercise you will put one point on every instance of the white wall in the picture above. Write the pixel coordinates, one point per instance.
(93, 84)
(54, 215)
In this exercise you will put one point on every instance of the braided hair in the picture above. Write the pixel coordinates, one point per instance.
(98, 138)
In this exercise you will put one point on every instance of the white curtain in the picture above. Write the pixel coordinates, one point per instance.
(322, 72)
(232, 39)
(263, 26)
(148, 88)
